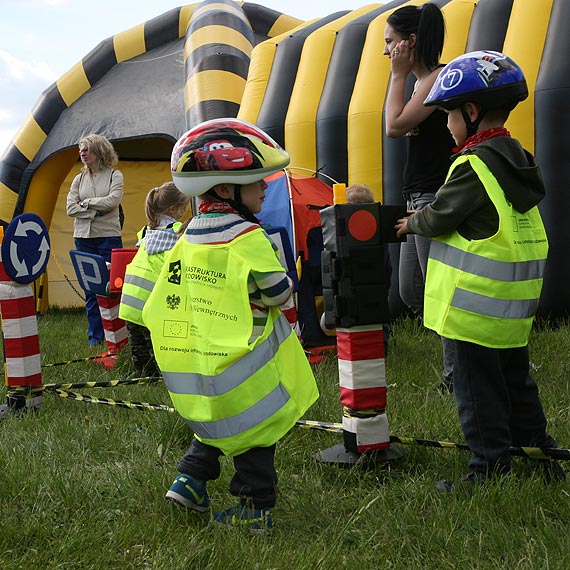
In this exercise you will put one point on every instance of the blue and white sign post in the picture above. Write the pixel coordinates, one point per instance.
(24, 255)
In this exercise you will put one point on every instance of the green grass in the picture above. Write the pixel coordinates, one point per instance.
(82, 485)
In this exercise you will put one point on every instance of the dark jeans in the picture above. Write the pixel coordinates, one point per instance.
(102, 247)
(255, 479)
(498, 404)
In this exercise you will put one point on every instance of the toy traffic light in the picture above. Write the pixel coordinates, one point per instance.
(355, 288)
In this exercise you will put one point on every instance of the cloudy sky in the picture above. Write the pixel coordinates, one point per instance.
(41, 39)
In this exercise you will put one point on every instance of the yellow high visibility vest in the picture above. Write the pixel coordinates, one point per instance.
(486, 291)
(235, 395)
(140, 276)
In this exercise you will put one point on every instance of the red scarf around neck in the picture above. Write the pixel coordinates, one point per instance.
(215, 206)
(483, 136)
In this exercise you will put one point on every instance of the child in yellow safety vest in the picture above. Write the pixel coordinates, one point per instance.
(231, 361)
(486, 264)
(164, 207)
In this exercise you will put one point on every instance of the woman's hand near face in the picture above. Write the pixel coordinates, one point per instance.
(402, 58)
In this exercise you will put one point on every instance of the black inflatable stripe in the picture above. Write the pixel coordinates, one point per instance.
(12, 165)
(209, 50)
(261, 19)
(211, 109)
(281, 80)
(489, 24)
(552, 148)
(99, 61)
(332, 114)
(238, 64)
(162, 29)
(49, 107)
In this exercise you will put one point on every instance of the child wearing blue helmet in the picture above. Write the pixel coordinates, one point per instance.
(486, 263)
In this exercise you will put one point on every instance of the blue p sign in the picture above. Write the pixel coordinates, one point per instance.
(91, 271)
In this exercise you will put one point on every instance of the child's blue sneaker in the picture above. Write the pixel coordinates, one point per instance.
(255, 520)
(187, 492)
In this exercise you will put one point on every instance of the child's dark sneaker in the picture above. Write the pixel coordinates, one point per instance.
(189, 493)
(256, 520)
(465, 485)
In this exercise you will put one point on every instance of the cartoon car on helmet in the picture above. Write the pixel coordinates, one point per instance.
(224, 151)
(222, 155)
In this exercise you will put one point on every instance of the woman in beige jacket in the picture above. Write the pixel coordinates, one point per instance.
(93, 201)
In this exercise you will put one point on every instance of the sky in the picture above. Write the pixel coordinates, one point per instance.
(42, 39)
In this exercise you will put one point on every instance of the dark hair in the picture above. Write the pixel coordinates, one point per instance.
(236, 203)
(426, 21)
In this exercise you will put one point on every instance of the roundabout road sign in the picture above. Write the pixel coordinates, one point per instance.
(25, 248)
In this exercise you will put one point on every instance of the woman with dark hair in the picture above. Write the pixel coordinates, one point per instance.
(414, 38)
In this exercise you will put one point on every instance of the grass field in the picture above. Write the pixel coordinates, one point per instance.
(82, 485)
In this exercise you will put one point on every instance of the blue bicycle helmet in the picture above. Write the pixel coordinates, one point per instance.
(489, 78)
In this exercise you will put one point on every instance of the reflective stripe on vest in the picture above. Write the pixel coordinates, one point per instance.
(491, 269)
(485, 267)
(132, 302)
(136, 290)
(136, 302)
(230, 427)
(491, 307)
(236, 374)
(139, 282)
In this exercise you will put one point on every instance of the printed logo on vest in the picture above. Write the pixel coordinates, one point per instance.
(173, 302)
(175, 329)
(174, 272)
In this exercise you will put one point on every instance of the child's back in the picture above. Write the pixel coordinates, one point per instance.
(234, 369)
(164, 207)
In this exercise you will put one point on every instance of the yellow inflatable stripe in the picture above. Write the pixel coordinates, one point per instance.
(262, 58)
(218, 7)
(457, 17)
(283, 24)
(184, 19)
(300, 133)
(73, 84)
(528, 24)
(214, 85)
(29, 138)
(217, 35)
(44, 188)
(130, 43)
(7, 201)
(365, 127)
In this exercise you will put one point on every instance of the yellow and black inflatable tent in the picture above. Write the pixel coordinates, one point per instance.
(318, 87)
(141, 88)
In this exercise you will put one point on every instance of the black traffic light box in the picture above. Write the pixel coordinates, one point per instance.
(346, 226)
(355, 290)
